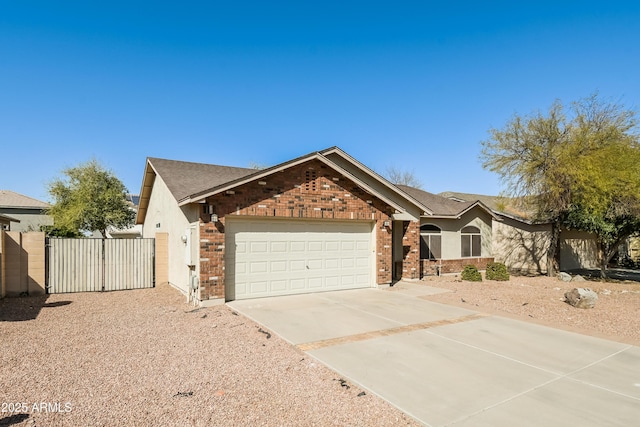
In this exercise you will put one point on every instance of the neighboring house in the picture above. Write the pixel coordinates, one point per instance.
(323, 221)
(5, 222)
(133, 232)
(29, 213)
(522, 244)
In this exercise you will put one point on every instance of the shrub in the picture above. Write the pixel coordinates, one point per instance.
(471, 274)
(497, 271)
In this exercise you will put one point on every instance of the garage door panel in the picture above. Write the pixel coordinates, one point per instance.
(298, 265)
(362, 245)
(278, 247)
(278, 285)
(258, 287)
(258, 247)
(258, 267)
(362, 262)
(332, 246)
(361, 277)
(278, 266)
(332, 281)
(315, 247)
(347, 263)
(314, 264)
(332, 263)
(287, 257)
(315, 282)
(297, 246)
(347, 280)
(297, 284)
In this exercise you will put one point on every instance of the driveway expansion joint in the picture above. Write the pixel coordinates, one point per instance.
(315, 345)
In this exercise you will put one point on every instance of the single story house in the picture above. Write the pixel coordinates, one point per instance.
(29, 213)
(522, 244)
(322, 221)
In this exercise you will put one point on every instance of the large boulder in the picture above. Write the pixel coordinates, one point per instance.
(581, 297)
(565, 277)
(578, 278)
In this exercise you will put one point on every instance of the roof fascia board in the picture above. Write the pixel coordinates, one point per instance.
(522, 220)
(261, 174)
(461, 213)
(150, 173)
(194, 198)
(377, 177)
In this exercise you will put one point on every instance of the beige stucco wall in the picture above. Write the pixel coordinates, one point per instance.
(578, 249)
(165, 216)
(521, 247)
(451, 235)
(23, 263)
(30, 220)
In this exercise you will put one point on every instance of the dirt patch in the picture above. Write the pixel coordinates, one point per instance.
(144, 357)
(541, 300)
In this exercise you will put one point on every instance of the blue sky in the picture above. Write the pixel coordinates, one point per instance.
(414, 85)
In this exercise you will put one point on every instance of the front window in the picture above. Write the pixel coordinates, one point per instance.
(430, 242)
(471, 242)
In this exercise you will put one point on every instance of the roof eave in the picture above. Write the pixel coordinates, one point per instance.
(378, 177)
(198, 197)
(145, 191)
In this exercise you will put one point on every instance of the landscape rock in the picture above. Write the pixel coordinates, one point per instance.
(578, 278)
(565, 277)
(581, 297)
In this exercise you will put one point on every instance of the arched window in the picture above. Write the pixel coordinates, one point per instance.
(430, 242)
(471, 242)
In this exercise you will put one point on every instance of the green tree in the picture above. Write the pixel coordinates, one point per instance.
(577, 170)
(89, 198)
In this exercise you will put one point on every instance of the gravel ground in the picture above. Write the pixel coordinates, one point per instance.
(541, 300)
(144, 357)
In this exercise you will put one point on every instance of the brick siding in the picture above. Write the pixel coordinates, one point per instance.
(430, 267)
(409, 267)
(310, 190)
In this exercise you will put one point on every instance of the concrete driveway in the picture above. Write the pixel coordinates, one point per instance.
(445, 365)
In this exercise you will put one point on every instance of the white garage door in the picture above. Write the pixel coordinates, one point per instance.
(272, 257)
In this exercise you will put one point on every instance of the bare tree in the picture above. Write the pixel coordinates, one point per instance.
(402, 177)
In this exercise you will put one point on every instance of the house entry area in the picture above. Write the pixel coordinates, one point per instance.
(269, 257)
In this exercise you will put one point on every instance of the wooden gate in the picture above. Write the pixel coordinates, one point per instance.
(86, 265)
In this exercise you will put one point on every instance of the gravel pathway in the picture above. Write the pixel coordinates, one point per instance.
(145, 358)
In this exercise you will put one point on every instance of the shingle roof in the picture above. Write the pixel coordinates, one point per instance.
(503, 205)
(187, 178)
(437, 204)
(493, 202)
(11, 199)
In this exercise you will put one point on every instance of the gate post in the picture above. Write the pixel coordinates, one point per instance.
(162, 258)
